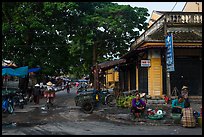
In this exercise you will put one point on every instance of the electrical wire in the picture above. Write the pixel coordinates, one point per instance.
(174, 6)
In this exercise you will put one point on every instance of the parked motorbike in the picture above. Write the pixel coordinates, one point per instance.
(19, 100)
(7, 105)
(88, 100)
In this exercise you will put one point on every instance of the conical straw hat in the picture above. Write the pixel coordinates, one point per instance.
(184, 87)
(49, 83)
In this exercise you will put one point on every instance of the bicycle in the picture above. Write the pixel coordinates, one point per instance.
(111, 98)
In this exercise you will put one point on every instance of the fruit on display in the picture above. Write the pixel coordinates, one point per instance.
(125, 101)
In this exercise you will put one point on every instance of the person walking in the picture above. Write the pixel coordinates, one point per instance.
(67, 87)
(36, 94)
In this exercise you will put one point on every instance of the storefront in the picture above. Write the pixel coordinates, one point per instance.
(150, 46)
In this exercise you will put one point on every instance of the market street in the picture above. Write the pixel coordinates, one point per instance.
(65, 118)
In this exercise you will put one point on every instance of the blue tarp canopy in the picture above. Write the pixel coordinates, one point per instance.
(33, 70)
(19, 72)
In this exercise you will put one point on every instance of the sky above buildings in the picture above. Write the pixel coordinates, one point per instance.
(159, 6)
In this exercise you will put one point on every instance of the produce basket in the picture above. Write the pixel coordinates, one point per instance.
(155, 117)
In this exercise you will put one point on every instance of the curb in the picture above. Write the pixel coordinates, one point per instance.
(128, 120)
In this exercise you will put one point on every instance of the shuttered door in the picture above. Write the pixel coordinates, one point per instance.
(188, 71)
(142, 79)
(155, 77)
(133, 77)
(126, 80)
(121, 78)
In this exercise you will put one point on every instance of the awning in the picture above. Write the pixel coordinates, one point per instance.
(34, 70)
(110, 64)
(19, 72)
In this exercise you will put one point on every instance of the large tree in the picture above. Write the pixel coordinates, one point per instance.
(71, 36)
(106, 31)
(35, 33)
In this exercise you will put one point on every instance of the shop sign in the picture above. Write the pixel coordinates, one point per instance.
(169, 53)
(145, 63)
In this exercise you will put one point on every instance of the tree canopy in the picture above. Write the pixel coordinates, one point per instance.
(68, 36)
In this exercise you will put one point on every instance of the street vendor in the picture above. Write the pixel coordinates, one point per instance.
(184, 93)
(178, 104)
(138, 106)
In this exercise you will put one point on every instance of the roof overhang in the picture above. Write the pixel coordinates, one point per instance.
(155, 45)
(111, 64)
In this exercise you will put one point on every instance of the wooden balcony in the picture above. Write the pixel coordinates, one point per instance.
(171, 19)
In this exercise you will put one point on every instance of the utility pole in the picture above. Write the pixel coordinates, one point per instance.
(97, 77)
(168, 84)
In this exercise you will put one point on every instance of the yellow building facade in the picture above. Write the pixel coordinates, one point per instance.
(186, 28)
(112, 78)
(187, 34)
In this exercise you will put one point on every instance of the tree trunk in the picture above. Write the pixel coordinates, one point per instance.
(95, 64)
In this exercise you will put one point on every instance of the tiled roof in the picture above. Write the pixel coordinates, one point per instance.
(111, 64)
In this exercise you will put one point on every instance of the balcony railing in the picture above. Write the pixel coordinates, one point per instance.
(170, 18)
(184, 17)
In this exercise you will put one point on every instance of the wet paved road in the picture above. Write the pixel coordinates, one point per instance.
(99, 128)
(66, 119)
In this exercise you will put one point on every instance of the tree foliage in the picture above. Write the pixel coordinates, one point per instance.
(61, 36)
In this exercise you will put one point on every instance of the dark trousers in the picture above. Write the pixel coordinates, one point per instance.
(36, 99)
(135, 110)
(176, 110)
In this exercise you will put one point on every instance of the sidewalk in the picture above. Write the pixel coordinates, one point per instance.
(123, 115)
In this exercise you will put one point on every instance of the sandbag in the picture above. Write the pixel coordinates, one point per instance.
(188, 120)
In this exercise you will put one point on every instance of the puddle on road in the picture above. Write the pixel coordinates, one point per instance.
(43, 112)
(8, 125)
(38, 116)
(23, 124)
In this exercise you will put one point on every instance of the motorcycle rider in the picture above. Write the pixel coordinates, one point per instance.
(50, 93)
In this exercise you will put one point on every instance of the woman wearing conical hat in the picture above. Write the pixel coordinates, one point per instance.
(49, 86)
(184, 93)
(49, 93)
(36, 94)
